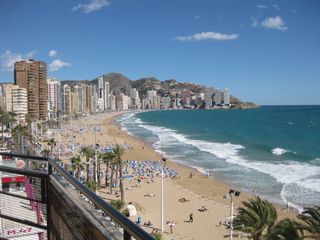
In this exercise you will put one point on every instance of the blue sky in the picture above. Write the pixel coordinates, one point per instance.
(267, 52)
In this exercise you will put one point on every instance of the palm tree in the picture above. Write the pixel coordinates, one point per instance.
(18, 133)
(100, 160)
(45, 152)
(286, 229)
(311, 222)
(118, 151)
(108, 158)
(88, 152)
(5, 119)
(256, 217)
(77, 166)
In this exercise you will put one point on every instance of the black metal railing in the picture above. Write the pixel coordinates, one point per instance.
(23, 199)
(51, 182)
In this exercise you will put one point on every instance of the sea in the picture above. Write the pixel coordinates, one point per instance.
(272, 151)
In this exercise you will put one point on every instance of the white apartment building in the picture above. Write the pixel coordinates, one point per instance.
(53, 95)
(150, 95)
(112, 103)
(103, 92)
(122, 102)
(66, 99)
(20, 103)
(80, 92)
(226, 97)
(217, 97)
(106, 95)
(6, 96)
(134, 94)
(156, 103)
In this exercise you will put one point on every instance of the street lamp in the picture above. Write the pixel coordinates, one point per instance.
(96, 160)
(164, 161)
(96, 168)
(232, 193)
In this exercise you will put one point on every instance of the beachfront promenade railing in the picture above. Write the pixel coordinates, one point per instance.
(42, 201)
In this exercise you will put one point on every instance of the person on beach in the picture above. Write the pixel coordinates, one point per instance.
(202, 209)
(287, 206)
(139, 220)
(171, 225)
(191, 218)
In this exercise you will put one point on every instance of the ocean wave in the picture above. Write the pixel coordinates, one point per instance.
(221, 150)
(298, 196)
(138, 121)
(279, 151)
(302, 175)
(283, 173)
(315, 161)
(126, 117)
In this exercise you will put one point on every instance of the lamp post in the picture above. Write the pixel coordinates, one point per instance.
(96, 160)
(232, 194)
(162, 173)
(96, 168)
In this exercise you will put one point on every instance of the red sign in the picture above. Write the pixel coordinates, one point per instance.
(12, 179)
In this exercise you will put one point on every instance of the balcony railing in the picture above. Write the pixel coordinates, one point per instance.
(43, 201)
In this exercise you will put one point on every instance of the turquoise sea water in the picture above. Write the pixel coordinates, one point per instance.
(275, 150)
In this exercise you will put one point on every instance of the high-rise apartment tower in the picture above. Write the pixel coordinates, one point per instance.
(32, 75)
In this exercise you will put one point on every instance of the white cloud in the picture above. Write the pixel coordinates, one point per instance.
(9, 58)
(261, 6)
(203, 36)
(197, 16)
(53, 53)
(274, 23)
(276, 7)
(57, 64)
(94, 5)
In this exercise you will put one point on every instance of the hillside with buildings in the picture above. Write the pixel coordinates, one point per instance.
(115, 91)
(44, 98)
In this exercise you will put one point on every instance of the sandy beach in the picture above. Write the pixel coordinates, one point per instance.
(199, 190)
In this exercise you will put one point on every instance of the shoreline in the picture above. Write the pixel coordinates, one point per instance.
(200, 190)
(186, 167)
(212, 180)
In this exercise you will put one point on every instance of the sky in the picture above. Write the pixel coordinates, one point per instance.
(264, 51)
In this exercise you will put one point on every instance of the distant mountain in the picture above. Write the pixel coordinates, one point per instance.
(120, 83)
(117, 81)
(236, 103)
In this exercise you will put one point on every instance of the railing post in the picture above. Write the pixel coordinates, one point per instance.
(126, 235)
(49, 224)
(49, 169)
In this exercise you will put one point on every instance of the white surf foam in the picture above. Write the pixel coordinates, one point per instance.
(279, 151)
(316, 161)
(303, 174)
(283, 173)
(221, 150)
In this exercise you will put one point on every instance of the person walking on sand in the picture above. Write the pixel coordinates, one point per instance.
(191, 218)
(171, 225)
